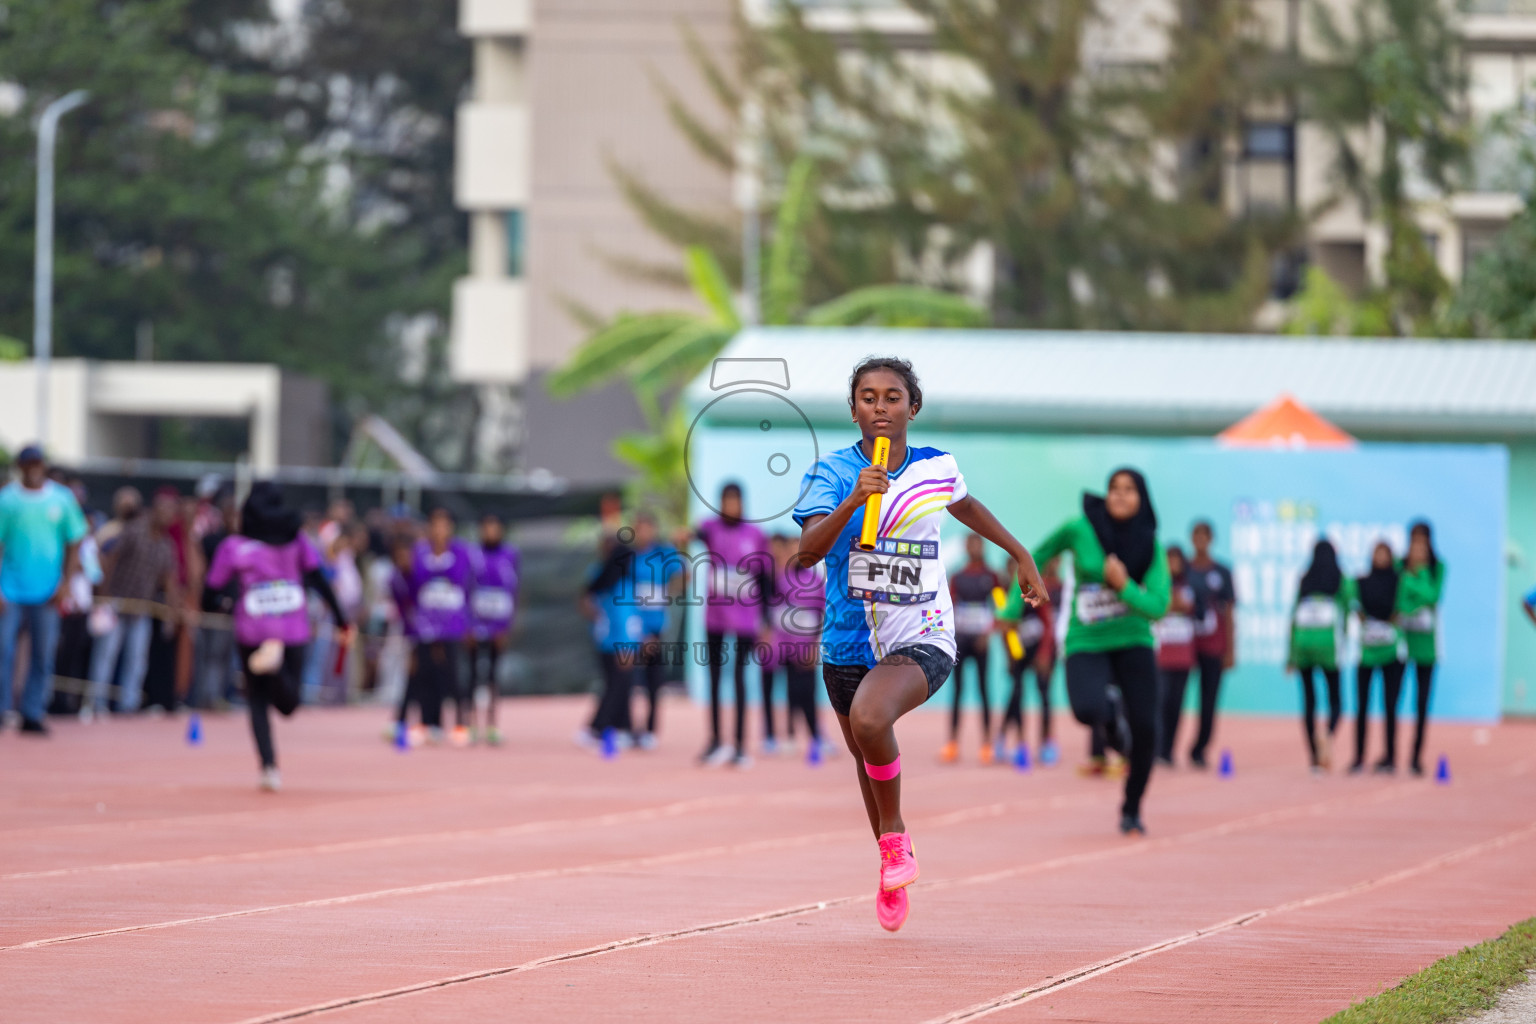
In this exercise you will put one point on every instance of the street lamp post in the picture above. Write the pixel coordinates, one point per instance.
(42, 281)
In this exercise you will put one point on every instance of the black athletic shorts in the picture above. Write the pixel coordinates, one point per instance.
(842, 681)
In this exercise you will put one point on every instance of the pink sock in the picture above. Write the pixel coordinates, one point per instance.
(883, 772)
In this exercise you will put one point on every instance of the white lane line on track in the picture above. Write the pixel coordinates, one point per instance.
(1091, 971)
(992, 810)
(655, 938)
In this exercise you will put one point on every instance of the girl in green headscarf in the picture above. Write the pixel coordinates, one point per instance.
(1379, 639)
(1322, 605)
(1418, 606)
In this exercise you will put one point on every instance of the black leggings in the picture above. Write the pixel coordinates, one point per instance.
(1423, 678)
(653, 670)
(1391, 692)
(1309, 704)
(799, 696)
(1134, 671)
(1211, 668)
(483, 657)
(1013, 713)
(434, 676)
(716, 665)
(973, 649)
(280, 690)
(613, 704)
(1174, 682)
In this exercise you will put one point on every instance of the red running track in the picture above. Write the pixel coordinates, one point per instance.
(143, 879)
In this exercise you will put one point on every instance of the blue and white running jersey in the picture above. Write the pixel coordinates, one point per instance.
(897, 594)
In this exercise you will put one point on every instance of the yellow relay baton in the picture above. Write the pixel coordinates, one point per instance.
(1015, 648)
(872, 504)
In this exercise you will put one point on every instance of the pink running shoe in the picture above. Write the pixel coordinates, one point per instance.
(898, 867)
(891, 909)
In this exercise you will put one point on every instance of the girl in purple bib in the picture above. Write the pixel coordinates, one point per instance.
(271, 566)
(492, 604)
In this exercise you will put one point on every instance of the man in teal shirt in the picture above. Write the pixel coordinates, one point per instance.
(41, 526)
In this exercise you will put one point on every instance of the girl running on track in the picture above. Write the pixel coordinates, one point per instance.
(1418, 606)
(888, 642)
(271, 565)
(1175, 634)
(1323, 599)
(1122, 588)
(970, 590)
(1377, 601)
(1036, 630)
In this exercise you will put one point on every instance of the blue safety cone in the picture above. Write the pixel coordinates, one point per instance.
(610, 744)
(1443, 771)
(1021, 757)
(402, 737)
(813, 753)
(1225, 769)
(195, 729)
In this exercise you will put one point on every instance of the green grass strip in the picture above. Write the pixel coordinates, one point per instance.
(1448, 990)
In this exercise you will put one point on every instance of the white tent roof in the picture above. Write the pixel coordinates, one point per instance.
(1168, 383)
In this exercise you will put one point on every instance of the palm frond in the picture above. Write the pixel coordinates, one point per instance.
(789, 257)
(612, 349)
(680, 356)
(711, 285)
(898, 305)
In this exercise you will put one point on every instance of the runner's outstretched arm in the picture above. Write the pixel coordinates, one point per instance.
(980, 519)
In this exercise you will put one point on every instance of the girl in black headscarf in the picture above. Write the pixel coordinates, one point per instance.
(1322, 604)
(1122, 587)
(1379, 636)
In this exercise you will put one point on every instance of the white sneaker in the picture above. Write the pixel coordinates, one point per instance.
(271, 782)
(741, 762)
(622, 740)
(770, 748)
(267, 658)
(646, 741)
(87, 715)
(585, 740)
(723, 754)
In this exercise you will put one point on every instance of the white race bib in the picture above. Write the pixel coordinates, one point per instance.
(896, 572)
(1031, 630)
(1376, 633)
(1317, 612)
(1421, 621)
(277, 597)
(492, 603)
(1174, 630)
(1097, 603)
(973, 618)
(441, 596)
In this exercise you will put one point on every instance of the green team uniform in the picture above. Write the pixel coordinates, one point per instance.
(1101, 620)
(1317, 624)
(1378, 639)
(1418, 600)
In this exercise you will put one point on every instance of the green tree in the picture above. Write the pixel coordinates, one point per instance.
(202, 193)
(1387, 88)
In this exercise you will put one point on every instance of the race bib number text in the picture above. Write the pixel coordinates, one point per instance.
(895, 572)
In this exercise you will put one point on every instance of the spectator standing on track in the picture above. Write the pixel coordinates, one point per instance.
(217, 675)
(617, 633)
(1418, 610)
(970, 591)
(139, 566)
(1379, 640)
(795, 616)
(41, 526)
(1323, 599)
(1175, 635)
(441, 580)
(1036, 630)
(271, 564)
(498, 566)
(659, 567)
(1215, 635)
(740, 571)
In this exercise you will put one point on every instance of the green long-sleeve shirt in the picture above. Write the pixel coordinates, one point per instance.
(1102, 620)
(1418, 612)
(1317, 627)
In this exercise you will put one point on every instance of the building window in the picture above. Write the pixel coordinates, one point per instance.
(515, 243)
(1268, 140)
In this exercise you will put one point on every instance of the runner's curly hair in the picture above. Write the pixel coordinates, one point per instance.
(900, 367)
